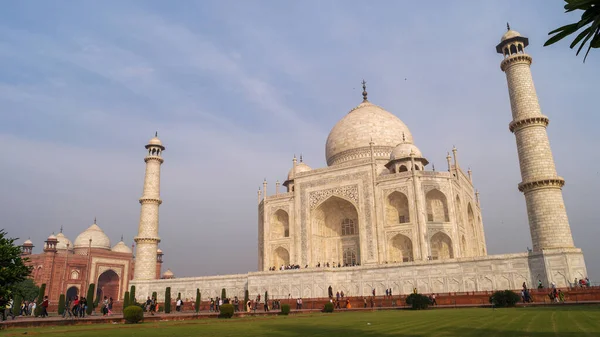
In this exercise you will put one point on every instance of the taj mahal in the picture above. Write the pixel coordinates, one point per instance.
(379, 216)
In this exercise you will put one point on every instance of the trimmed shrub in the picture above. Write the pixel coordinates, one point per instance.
(285, 309)
(61, 304)
(226, 311)
(504, 298)
(197, 304)
(168, 300)
(126, 300)
(328, 307)
(418, 301)
(154, 294)
(178, 296)
(133, 314)
(17, 304)
(90, 299)
(223, 294)
(266, 296)
(40, 299)
(132, 299)
(246, 297)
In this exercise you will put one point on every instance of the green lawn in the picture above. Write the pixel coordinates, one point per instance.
(534, 322)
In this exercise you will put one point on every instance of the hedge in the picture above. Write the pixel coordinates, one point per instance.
(133, 314)
(504, 298)
(197, 304)
(90, 299)
(418, 301)
(285, 309)
(168, 300)
(61, 304)
(226, 311)
(328, 307)
(132, 298)
(40, 299)
(126, 300)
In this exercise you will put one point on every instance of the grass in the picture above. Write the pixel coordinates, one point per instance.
(565, 321)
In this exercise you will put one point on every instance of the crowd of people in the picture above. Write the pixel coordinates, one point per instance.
(27, 308)
(75, 307)
(318, 265)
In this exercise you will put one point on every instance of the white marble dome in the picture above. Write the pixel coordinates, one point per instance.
(99, 239)
(121, 247)
(155, 141)
(509, 35)
(28, 243)
(350, 137)
(63, 241)
(403, 150)
(300, 167)
(168, 274)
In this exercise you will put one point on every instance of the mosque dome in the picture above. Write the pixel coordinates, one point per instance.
(403, 150)
(350, 137)
(99, 239)
(509, 35)
(52, 237)
(300, 167)
(63, 241)
(28, 243)
(159, 251)
(120, 247)
(168, 274)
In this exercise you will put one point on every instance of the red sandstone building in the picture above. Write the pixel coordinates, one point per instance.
(68, 268)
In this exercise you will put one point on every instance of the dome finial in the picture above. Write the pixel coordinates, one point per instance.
(156, 134)
(61, 228)
(433, 166)
(364, 93)
(507, 26)
(94, 220)
(300, 157)
(121, 237)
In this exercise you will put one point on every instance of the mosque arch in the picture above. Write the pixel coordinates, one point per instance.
(473, 233)
(441, 247)
(72, 292)
(513, 49)
(108, 285)
(335, 229)
(281, 257)
(396, 208)
(402, 168)
(400, 249)
(458, 210)
(437, 206)
(280, 224)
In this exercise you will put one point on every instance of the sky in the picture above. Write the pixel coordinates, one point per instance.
(236, 88)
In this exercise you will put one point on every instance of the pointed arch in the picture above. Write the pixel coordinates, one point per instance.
(335, 229)
(437, 206)
(108, 285)
(463, 246)
(441, 246)
(471, 229)
(396, 208)
(458, 210)
(280, 224)
(400, 249)
(281, 257)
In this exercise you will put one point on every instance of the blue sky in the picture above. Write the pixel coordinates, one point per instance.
(235, 88)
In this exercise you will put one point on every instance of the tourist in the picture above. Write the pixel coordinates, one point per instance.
(105, 306)
(110, 306)
(373, 291)
(211, 305)
(540, 286)
(67, 309)
(148, 304)
(337, 296)
(220, 304)
(365, 301)
(248, 306)
(236, 304)
(23, 309)
(45, 307)
(8, 310)
(75, 308)
(178, 305)
(82, 307)
(386, 293)
(433, 301)
(561, 296)
(342, 294)
(31, 308)
(348, 306)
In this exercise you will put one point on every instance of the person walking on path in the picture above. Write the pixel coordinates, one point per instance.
(8, 310)
(45, 307)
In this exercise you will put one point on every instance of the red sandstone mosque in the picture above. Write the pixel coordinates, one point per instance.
(68, 268)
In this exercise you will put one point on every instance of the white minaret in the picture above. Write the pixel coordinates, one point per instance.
(548, 221)
(147, 239)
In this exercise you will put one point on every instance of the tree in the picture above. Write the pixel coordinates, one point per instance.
(40, 299)
(168, 300)
(223, 294)
(246, 297)
(590, 23)
(27, 289)
(178, 296)
(13, 269)
(154, 295)
(17, 304)
(126, 300)
(90, 299)
(266, 296)
(132, 298)
(197, 304)
(61, 304)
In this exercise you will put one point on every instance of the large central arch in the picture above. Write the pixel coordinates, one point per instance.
(335, 232)
(108, 285)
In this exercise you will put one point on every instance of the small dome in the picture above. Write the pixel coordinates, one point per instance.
(300, 167)
(159, 251)
(27, 243)
(99, 239)
(121, 247)
(350, 138)
(155, 141)
(509, 35)
(63, 241)
(168, 274)
(403, 150)
(52, 237)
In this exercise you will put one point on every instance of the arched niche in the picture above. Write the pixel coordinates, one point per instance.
(400, 249)
(437, 206)
(108, 285)
(72, 292)
(396, 208)
(335, 229)
(280, 224)
(441, 247)
(472, 232)
(281, 257)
